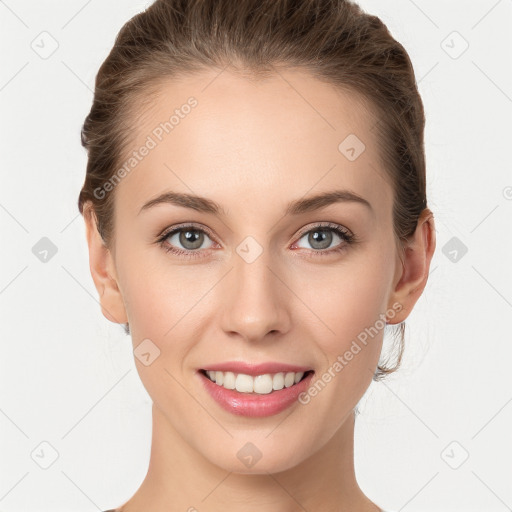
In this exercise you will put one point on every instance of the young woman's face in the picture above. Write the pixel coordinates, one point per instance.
(262, 279)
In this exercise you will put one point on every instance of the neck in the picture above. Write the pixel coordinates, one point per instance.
(180, 478)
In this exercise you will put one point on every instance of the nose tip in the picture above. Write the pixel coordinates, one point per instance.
(254, 300)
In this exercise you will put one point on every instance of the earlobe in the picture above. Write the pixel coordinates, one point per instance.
(415, 266)
(103, 271)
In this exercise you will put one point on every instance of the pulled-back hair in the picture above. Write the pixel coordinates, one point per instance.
(334, 40)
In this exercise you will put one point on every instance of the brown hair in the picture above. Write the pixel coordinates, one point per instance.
(334, 40)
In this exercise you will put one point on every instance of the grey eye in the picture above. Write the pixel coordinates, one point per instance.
(320, 238)
(189, 238)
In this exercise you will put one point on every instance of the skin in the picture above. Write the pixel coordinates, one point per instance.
(253, 147)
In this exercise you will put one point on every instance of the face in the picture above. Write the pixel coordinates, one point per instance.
(265, 275)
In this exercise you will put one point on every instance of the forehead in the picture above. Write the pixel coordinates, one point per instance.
(221, 134)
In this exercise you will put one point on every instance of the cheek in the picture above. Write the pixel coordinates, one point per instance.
(165, 304)
(347, 301)
(158, 292)
(350, 337)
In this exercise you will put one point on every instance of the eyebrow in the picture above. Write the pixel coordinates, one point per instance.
(297, 207)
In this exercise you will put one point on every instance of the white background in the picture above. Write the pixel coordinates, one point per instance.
(68, 377)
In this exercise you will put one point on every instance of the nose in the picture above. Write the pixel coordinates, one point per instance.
(255, 300)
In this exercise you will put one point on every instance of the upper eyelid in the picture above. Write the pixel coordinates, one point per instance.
(325, 224)
(167, 231)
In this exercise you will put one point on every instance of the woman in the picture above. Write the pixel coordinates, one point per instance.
(256, 215)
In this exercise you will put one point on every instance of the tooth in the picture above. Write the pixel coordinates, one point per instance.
(278, 381)
(244, 383)
(229, 380)
(289, 379)
(263, 384)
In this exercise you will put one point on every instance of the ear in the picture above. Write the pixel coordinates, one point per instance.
(102, 269)
(413, 267)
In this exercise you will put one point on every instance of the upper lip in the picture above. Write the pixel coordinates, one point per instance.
(255, 368)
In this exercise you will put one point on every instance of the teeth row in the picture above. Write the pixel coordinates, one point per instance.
(261, 384)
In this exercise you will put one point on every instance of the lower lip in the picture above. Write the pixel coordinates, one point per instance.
(253, 404)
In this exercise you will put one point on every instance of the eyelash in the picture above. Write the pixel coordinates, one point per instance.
(345, 235)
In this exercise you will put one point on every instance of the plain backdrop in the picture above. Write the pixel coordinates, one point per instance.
(75, 420)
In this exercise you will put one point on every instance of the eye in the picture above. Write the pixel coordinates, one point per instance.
(189, 237)
(321, 237)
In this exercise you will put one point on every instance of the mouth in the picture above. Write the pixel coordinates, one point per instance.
(261, 384)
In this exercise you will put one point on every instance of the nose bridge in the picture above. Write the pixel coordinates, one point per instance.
(254, 298)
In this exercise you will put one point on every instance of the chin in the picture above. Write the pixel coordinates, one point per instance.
(255, 457)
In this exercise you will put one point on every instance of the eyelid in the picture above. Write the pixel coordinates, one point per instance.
(177, 227)
(325, 224)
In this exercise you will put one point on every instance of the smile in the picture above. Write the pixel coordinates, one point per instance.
(257, 395)
(259, 384)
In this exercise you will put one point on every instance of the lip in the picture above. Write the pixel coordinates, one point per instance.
(255, 369)
(252, 404)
